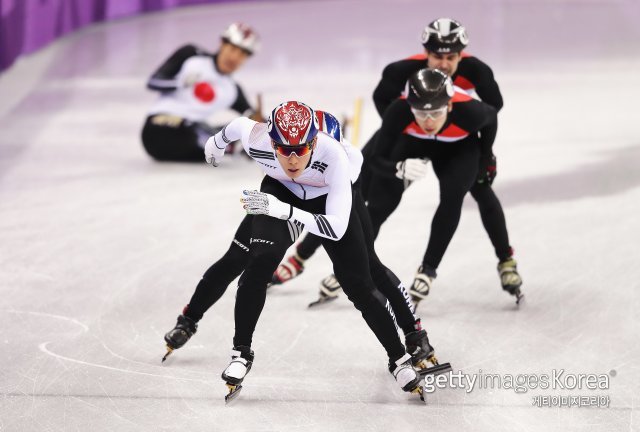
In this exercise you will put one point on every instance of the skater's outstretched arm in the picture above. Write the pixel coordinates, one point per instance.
(239, 129)
(165, 78)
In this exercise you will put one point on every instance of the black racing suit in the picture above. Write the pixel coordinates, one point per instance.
(455, 151)
(258, 247)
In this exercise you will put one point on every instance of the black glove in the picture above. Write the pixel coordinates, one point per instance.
(488, 169)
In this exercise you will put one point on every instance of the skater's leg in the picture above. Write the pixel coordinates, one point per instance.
(270, 239)
(496, 226)
(417, 342)
(269, 242)
(493, 218)
(293, 266)
(308, 246)
(456, 173)
(171, 138)
(211, 287)
(351, 267)
(217, 278)
(384, 201)
(386, 282)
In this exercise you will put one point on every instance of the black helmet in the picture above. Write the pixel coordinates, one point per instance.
(445, 35)
(429, 89)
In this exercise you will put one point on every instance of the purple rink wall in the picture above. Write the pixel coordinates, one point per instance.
(27, 25)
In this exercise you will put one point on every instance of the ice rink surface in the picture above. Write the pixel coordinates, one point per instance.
(100, 247)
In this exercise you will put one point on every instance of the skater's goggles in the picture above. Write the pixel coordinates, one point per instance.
(433, 114)
(299, 150)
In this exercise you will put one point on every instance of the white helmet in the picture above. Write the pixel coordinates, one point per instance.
(242, 36)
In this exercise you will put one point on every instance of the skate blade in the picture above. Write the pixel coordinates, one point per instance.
(515, 291)
(518, 295)
(419, 390)
(416, 302)
(438, 369)
(423, 364)
(234, 391)
(169, 351)
(321, 301)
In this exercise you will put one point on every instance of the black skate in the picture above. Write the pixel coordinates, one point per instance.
(422, 353)
(329, 290)
(241, 361)
(181, 333)
(510, 278)
(406, 376)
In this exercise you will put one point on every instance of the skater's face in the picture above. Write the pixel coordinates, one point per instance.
(431, 121)
(447, 62)
(230, 58)
(292, 164)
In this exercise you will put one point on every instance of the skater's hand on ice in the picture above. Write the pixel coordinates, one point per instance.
(412, 169)
(212, 151)
(260, 203)
(487, 171)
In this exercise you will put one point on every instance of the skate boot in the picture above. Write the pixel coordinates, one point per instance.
(510, 279)
(422, 284)
(329, 290)
(422, 353)
(181, 333)
(290, 268)
(406, 376)
(241, 361)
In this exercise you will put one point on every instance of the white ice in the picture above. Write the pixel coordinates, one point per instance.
(100, 247)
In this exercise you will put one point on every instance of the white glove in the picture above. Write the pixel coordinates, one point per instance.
(260, 203)
(412, 169)
(212, 153)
